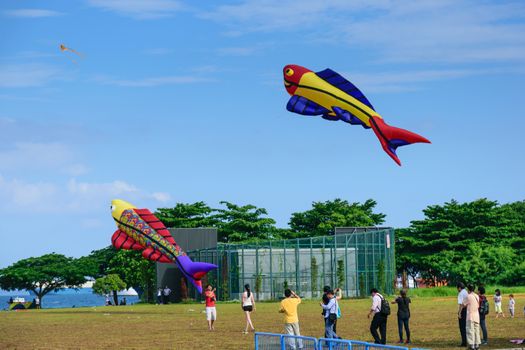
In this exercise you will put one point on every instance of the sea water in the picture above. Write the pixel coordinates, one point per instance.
(83, 297)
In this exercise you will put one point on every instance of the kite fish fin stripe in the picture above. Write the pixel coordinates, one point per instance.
(155, 224)
(348, 117)
(391, 137)
(304, 106)
(121, 240)
(154, 255)
(341, 83)
(194, 271)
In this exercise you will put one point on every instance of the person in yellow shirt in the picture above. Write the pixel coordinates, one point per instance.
(291, 320)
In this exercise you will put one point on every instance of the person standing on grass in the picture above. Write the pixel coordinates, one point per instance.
(380, 318)
(462, 313)
(338, 296)
(166, 293)
(512, 303)
(211, 312)
(483, 312)
(472, 306)
(37, 302)
(498, 298)
(291, 320)
(330, 315)
(159, 296)
(248, 305)
(403, 315)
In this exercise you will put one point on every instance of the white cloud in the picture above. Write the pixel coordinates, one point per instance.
(162, 197)
(74, 196)
(17, 193)
(139, 9)
(445, 31)
(26, 75)
(40, 156)
(152, 81)
(32, 13)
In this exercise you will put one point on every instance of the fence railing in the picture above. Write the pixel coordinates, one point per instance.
(274, 341)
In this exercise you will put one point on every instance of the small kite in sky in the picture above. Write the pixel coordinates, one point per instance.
(331, 96)
(64, 48)
(139, 229)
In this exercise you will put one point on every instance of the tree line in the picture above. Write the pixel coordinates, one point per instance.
(479, 242)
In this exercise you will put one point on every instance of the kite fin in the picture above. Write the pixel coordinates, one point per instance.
(304, 106)
(341, 83)
(391, 137)
(348, 117)
(155, 255)
(194, 271)
(121, 240)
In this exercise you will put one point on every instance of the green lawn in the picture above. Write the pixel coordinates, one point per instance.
(183, 326)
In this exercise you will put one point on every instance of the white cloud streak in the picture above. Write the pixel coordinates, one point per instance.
(152, 81)
(26, 75)
(139, 9)
(37, 156)
(447, 31)
(32, 13)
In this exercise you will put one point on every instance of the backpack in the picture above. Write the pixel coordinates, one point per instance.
(484, 307)
(385, 307)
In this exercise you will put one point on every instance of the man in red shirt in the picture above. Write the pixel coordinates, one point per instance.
(211, 312)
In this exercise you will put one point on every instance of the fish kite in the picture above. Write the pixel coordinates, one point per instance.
(139, 229)
(328, 94)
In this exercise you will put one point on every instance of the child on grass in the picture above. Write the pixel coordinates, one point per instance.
(497, 304)
(511, 305)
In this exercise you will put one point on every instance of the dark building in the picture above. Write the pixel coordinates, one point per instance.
(188, 239)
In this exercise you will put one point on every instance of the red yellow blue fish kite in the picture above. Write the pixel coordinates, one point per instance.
(139, 229)
(331, 96)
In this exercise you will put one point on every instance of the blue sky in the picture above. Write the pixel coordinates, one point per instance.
(178, 101)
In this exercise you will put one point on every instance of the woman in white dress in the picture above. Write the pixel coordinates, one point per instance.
(248, 305)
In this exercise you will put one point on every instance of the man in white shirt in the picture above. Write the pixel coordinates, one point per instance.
(379, 320)
(462, 313)
(166, 293)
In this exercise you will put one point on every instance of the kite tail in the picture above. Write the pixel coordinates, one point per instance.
(194, 271)
(391, 137)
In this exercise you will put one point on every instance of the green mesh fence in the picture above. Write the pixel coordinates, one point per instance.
(354, 262)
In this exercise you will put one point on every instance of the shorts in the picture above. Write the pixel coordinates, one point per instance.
(248, 308)
(211, 313)
(498, 308)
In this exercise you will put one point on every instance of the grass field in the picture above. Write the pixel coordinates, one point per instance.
(183, 326)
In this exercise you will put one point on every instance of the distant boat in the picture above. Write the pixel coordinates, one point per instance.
(128, 292)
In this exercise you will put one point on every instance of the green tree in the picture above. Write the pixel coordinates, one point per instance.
(109, 284)
(324, 217)
(464, 241)
(340, 273)
(243, 223)
(314, 268)
(136, 272)
(96, 264)
(41, 275)
(186, 215)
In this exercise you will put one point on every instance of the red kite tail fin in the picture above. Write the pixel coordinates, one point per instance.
(391, 137)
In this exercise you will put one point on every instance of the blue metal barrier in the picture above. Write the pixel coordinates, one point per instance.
(273, 341)
(334, 344)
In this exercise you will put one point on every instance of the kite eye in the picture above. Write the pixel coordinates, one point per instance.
(113, 207)
(288, 72)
